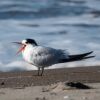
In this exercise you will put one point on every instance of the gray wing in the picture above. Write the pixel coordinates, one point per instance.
(45, 56)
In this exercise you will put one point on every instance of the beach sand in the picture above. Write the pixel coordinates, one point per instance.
(51, 86)
(37, 93)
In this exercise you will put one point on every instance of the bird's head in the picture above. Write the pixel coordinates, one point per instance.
(24, 43)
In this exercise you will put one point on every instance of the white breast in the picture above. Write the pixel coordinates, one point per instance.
(27, 53)
(43, 56)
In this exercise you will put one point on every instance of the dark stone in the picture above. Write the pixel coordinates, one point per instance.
(2, 83)
(78, 85)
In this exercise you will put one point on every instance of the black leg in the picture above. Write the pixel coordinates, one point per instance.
(42, 71)
(38, 70)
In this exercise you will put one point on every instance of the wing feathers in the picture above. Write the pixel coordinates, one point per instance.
(77, 57)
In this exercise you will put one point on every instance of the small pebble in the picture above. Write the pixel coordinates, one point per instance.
(85, 98)
(2, 83)
(66, 97)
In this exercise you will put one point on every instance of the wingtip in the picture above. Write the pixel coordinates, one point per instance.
(88, 57)
(90, 52)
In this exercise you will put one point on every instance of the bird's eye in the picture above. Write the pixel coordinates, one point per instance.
(26, 42)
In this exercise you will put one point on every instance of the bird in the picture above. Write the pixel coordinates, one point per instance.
(41, 56)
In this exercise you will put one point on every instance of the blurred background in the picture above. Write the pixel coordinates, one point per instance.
(73, 25)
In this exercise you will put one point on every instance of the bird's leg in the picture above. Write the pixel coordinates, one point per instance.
(38, 70)
(42, 71)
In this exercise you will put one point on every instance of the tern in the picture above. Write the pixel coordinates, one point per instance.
(42, 56)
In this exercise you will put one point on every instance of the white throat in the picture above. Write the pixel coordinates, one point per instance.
(27, 53)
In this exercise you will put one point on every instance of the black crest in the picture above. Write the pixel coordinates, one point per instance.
(31, 41)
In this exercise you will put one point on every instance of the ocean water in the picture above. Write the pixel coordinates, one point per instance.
(73, 25)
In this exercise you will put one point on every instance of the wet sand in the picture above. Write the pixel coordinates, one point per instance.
(51, 76)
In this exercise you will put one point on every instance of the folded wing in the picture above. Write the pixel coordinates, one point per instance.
(77, 57)
(45, 56)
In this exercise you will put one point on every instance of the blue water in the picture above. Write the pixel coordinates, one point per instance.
(73, 25)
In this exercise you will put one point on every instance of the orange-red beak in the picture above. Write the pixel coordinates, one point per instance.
(21, 48)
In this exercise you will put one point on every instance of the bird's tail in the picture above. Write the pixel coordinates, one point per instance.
(77, 57)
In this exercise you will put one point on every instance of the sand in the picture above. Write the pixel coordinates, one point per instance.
(51, 86)
(57, 93)
(30, 78)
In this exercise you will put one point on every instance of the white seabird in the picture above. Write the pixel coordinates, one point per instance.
(42, 57)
